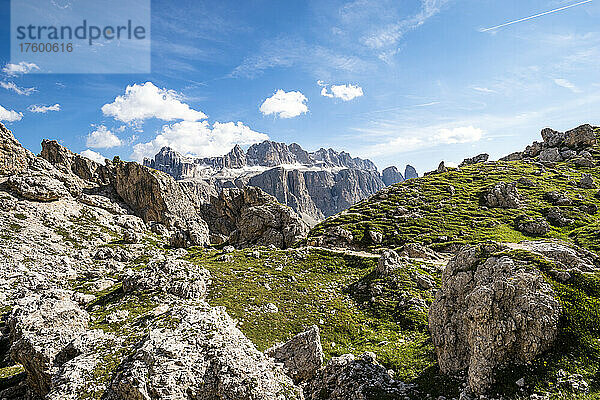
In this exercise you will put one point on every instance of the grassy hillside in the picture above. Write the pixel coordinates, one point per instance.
(442, 209)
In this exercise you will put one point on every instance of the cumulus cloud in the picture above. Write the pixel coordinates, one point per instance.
(463, 134)
(9, 115)
(344, 92)
(285, 104)
(102, 138)
(94, 156)
(19, 69)
(141, 102)
(199, 138)
(567, 85)
(34, 108)
(18, 90)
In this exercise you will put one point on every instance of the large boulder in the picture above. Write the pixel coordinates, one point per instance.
(42, 326)
(475, 160)
(552, 138)
(200, 354)
(491, 311)
(151, 194)
(550, 155)
(37, 187)
(565, 256)
(532, 226)
(347, 377)
(192, 232)
(502, 195)
(13, 157)
(177, 277)
(581, 137)
(249, 216)
(302, 355)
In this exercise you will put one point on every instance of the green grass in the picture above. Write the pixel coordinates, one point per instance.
(423, 210)
(317, 288)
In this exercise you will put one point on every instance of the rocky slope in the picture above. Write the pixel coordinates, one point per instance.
(316, 185)
(478, 282)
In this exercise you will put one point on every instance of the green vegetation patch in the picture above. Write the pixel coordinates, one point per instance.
(313, 287)
(443, 209)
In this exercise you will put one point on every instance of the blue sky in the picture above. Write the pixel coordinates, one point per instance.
(404, 81)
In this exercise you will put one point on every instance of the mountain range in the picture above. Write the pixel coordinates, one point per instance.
(315, 184)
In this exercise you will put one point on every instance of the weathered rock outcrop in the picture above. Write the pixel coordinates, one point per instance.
(37, 187)
(502, 195)
(347, 377)
(13, 157)
(153, 195)
(41, 328)
(491, 311)
(68, 162)
(250, 216)
(560, 146)
(534, 227)
(177, 277)
(302, 356)
(475, 160)
(202, 356)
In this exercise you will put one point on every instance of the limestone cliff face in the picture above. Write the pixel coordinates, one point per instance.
(316, 185)
(13, 157)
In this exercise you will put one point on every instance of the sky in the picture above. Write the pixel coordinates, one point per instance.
(398, 82)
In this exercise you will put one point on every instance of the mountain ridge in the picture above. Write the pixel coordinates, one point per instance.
(315, 184)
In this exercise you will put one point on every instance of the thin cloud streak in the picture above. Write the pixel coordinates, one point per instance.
(534, 16)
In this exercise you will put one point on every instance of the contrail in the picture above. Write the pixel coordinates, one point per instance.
(535, 16)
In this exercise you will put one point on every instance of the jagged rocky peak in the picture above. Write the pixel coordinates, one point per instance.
(236, 158)
(410, 172)
(332, 158)
(391, 175)
(13, 157)
(271, 154)
(315, 184)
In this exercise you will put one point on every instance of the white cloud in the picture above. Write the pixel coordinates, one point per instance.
(325, 93)
(18, 90)
(198, 138)
(344, 92)
(567, 85)
(102, 138)
(9, 115)
(390, 35)
(463, 134)
(141, 102)
(94, 156)
(483, 89)
(19, 69)
(34, 108)
(285, 104)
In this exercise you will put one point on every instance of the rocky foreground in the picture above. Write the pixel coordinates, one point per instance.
(117, 282)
